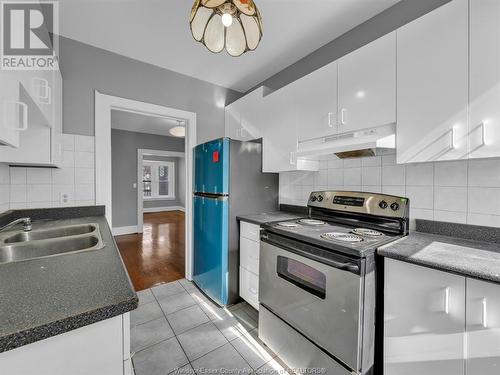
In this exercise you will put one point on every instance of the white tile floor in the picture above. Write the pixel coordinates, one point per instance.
(176, 329)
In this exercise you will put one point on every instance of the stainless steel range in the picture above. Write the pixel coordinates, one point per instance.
(317, 283)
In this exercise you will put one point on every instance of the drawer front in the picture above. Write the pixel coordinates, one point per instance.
(249, 287)
(250, 231)
(249, 255)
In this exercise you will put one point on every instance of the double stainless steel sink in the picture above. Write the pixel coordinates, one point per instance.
(20, 245)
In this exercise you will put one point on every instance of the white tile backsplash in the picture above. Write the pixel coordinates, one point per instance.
(18, 176)
(43, 187)
(465, 191)
(420, 174)
(38, 176)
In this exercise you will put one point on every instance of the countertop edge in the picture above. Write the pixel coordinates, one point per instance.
(439, 266)
(32, 335)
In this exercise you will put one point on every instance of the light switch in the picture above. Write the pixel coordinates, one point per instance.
(134, 185)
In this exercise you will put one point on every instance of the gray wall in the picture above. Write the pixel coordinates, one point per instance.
(389, 20)
(180, 191)
(124, 145)
(86, 68)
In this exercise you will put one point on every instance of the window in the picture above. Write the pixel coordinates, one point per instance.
(158, 179)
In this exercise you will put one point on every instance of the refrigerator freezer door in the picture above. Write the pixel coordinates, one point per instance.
(212, 167)
(210, 271)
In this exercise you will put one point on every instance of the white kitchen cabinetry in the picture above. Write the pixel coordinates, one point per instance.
(40, 142)
(315, 103)
(243, 118)
(424, 320)
(483, 328)
(432, 87)
(99, 348)
(484, 80)
(14, 112)
(249, 263)
(367, 86)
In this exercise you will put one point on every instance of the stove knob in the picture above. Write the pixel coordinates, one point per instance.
(320, 198)
(313, 198)
(383, 205)
(395, 206)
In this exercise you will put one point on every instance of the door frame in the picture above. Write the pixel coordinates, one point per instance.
(103, 106)
(140, 158)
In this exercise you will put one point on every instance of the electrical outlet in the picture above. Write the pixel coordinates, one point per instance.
(65, 197)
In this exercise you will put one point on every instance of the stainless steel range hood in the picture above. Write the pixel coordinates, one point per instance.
(367, 142)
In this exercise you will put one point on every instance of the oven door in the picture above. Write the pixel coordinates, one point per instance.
(321, 300)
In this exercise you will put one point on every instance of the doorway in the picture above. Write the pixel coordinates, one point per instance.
(104, 105)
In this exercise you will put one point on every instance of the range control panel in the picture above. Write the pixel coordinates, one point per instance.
(360, 202)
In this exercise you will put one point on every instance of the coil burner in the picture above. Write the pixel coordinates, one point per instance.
(344, 237)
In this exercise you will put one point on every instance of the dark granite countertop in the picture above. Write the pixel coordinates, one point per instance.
(45, 297)
(268, 217)
(466, 257)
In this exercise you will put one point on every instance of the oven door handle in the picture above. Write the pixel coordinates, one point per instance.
(345, 266)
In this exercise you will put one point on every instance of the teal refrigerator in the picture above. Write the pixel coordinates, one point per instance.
(228, 182)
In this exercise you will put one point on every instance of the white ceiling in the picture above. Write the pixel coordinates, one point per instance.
(157, 32)
(142, 123)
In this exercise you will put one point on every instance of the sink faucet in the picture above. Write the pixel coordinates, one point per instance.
(26, 224)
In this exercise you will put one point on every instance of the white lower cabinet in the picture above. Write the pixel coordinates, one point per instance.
(424, 320)
(438, 323)
(483, 328)
(249, 263)
(94, 349)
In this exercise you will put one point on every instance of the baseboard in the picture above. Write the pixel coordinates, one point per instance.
(119, 231)
(161, 209)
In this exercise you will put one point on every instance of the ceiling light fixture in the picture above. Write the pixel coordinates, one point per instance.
(179, 130)
(234, 25)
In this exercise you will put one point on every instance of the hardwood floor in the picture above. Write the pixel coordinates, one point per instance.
(157, 255)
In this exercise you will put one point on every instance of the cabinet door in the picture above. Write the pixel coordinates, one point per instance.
(315, 102)
(483, 328)
(367, 85)
(484, 128)
(251, 124)
(280, 134)
(432, 93)
(424, 320)
(243, 118)
(12, 110)
(232, 120)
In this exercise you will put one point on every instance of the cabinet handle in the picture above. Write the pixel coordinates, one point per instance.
(484, 313)
(447, 300)
(24, 108)
(342, 116)
(330, 117)
(42, 90)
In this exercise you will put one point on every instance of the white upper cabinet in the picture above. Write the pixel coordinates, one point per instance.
(315, 103)
(484, 127)
(243, 118)
(40, 96)
(280, 133)
(13, 112)
(432, 87)
(367, 86)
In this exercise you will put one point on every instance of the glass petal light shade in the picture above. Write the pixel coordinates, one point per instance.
(242, 35)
